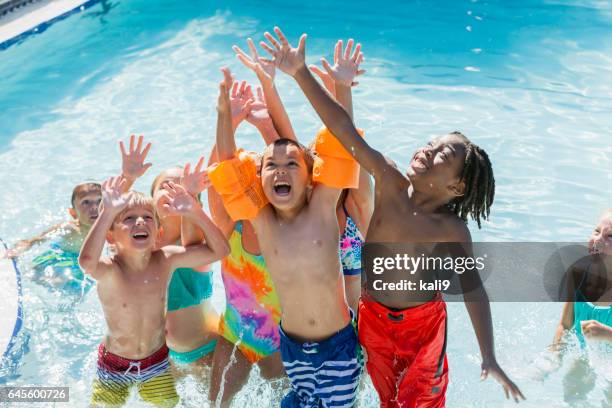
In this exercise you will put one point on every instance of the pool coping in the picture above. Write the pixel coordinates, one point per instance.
(36, 18)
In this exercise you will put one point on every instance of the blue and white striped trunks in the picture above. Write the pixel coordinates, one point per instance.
(322, 374)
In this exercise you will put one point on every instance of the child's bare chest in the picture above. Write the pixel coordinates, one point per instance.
(396, 223)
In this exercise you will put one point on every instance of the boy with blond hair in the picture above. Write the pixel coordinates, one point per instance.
(132, 287)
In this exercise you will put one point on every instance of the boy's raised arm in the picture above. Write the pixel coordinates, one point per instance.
(265, 70)
(226, 145)
(292, 61)
(181, 203)
(133, 163)
(113, 201)
(194, 182)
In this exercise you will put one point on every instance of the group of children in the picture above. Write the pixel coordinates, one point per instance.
(288, 226)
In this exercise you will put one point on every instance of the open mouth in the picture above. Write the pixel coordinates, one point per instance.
(282, 188)
(420, 162)
(140, 236)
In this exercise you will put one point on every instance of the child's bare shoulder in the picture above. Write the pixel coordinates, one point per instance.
(455, 229)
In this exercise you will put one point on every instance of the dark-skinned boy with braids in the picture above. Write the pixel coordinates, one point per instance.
(450, 179)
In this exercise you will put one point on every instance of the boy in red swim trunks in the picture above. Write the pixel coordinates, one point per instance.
(404, 333)
(132, 287)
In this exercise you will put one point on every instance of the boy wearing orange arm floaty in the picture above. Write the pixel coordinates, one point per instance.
(299, 241)
(449, 179)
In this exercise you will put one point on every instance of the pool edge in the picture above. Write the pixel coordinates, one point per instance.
(41, 27)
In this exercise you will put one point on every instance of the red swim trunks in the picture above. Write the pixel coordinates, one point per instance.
(406, 352)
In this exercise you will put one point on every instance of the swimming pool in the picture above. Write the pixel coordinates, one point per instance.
(530, 81)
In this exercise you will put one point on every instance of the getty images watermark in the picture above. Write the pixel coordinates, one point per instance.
(508, 271)
(422, 264)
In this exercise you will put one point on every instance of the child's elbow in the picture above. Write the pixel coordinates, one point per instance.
(87, 263)
(224, 250)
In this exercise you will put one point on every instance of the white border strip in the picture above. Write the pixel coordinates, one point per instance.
(32, 16)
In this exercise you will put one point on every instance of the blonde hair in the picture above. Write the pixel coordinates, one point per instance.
(137, 199)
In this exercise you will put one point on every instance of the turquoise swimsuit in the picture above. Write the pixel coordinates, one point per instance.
(585, 310)
(187, 288)
(62, 266)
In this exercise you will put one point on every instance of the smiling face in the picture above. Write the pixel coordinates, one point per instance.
(285, 175)
(135, 228)
(600, 241)
(438, 165)
(86, 203)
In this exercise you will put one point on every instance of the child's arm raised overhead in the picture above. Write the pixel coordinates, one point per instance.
(265, 70)
(339, 80)
(194, 182)
(181, 203)
(226, 145)
(114, 200)
(259, 116)
(292, 61)
(133, 164)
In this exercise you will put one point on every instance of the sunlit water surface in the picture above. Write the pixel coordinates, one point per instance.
(530, 81)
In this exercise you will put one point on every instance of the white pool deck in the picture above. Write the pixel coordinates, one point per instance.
(31, 15)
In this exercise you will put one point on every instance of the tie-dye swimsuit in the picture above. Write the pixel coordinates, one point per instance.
(252, 312)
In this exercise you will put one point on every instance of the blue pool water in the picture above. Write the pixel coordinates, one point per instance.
(530, 81)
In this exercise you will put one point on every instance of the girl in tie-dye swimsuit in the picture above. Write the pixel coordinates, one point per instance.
(252, 312)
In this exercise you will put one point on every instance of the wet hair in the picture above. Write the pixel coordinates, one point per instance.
(477, 174)
(307, 152)
(84, 189)
(160, 177)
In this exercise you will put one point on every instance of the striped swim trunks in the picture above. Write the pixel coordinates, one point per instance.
(322, 373)
(151, 376)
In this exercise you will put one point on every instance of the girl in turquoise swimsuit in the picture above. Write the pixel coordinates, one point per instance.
(589, 315)
(191, 321)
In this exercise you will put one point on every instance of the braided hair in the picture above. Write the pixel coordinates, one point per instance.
(477, 174)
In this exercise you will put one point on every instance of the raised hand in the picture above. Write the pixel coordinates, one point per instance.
(259, 110)
(263, 68)
(241, 99)
(133, 162)
(510, 389)
(113, 198)
(288, 59)
(223, 102)
(197, 181)
(346, 66)
(178, 201)
(328, 81)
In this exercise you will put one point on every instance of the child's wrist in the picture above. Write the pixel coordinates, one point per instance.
(267, 83)
(128, 178)
(301, 72)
